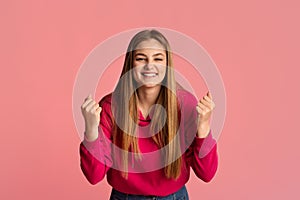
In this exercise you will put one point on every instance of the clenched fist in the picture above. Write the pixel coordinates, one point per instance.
(91, 113)
(205, 107)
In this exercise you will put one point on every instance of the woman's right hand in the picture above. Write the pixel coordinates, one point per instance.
(91, 113)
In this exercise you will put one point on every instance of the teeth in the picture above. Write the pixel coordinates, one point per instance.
(149, 74)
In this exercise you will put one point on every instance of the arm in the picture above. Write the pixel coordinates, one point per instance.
(204, 159)
(202, 153)
(95, 156)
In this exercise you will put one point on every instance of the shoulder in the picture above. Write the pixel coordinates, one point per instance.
(105, 104)
(187, 103)
(186, 98)
(106, 100)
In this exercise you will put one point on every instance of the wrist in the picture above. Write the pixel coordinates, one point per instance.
(203, 130)
(91, 134)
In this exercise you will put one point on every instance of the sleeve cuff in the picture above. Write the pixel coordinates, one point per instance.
(199, 141)
(91, 145)
(204, 145)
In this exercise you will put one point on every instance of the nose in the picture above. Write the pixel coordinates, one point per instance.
(148, 66)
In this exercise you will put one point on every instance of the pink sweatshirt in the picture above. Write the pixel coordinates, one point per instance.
(146, 177)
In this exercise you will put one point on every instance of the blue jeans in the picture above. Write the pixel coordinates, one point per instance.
(181, 194)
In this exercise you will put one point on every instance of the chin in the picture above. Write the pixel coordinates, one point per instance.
(150, 85)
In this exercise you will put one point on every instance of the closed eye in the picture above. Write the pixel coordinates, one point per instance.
(139, 59)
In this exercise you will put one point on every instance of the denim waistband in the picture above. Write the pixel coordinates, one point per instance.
(181, 194)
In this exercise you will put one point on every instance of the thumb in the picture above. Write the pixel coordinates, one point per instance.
(98, 110)
(88, 97)
(209, 95)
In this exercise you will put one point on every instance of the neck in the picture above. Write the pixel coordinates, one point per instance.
(147, 97)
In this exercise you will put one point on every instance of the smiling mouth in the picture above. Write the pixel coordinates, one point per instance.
(149, 74)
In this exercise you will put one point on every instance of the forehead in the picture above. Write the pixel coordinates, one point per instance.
(150, 45)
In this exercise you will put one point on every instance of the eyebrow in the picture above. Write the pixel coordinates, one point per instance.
(141, 54)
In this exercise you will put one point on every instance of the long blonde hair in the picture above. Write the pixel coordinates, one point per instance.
(125, 137)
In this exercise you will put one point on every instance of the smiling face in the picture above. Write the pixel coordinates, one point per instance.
(149, 63)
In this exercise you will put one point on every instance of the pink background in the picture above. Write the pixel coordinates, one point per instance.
(255, 45)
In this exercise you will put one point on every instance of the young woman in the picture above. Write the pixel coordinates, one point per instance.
(148, 133)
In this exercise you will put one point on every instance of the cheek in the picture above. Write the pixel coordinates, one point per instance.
(136, 72)
(162, 69)
(134, 64)
(136, 68)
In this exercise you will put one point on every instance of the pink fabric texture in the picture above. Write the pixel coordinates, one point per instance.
(200, 154)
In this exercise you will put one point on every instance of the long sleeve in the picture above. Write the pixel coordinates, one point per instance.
(204, 159)
(95, 156)
(202, 152)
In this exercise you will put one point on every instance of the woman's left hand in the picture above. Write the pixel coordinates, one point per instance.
(204, 108)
